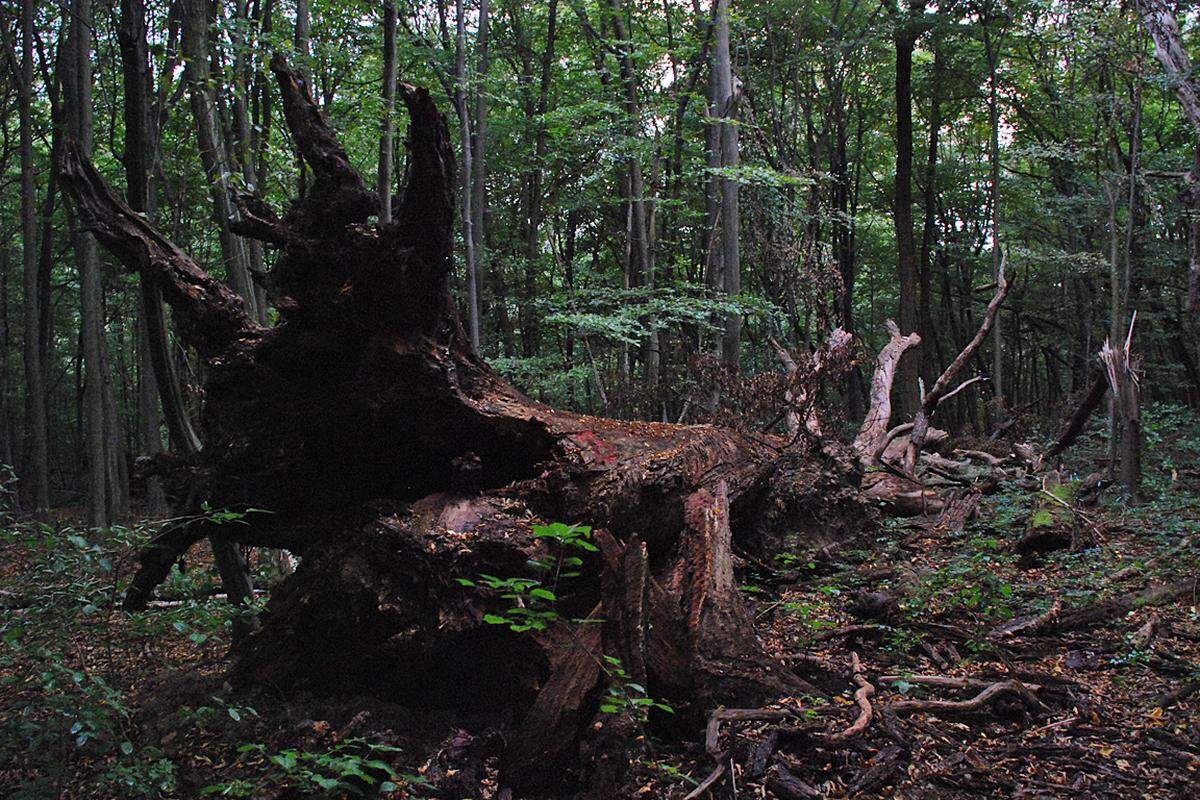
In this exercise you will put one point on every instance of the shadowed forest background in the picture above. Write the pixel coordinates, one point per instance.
(923, 278)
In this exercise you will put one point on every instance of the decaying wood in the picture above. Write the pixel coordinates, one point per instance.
(890, 454)
(1097, 389)
(712, 741)
(1123, 370)
(402, 467)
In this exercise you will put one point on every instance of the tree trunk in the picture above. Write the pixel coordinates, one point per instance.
(398, 462)
(35, 403)
(243, 138)
(387, 139)
(77, 83)
(467, 195)
(730, 219)
(479, 172)
(994, 188)
(1171, 53)
(907, 30)
(212, 150)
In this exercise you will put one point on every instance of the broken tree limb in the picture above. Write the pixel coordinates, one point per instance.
(806, 378)
(1097, 389)
(712, 740)
(209, 316)
(941, 388)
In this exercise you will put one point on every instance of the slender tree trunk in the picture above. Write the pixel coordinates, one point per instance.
(465, 174)
(35, 403)
(212, 151)
(907, 31)
(232, 567)
(930, 355)
(994, 157)
(535, 199)
(387, 139)
(641, 270)
(730, 218)
(78, 85)
(303, 44)
(140, 146)
(7, 425)
(479, 172)
(243, 138)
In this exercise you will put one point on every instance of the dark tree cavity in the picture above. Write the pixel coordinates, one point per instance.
(396, 461)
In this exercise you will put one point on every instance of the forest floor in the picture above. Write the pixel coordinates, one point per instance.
(98, 703)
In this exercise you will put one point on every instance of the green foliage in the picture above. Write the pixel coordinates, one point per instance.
(68, 709)
(975, 579)
(625, 696)
(531, 602)
(353, 767)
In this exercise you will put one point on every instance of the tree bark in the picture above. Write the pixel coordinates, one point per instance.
(730, 218)
(77, 83)
(213, 156)
(908, 29)
(387, 139)
(1169, 49)
(467, 194)
(994, 188)
(35, 403)
(479, 170)
(398, 462)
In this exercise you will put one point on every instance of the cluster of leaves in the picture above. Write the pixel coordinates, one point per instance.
(628, 316)
(531, 600)
(625, 696)
(354, 767)
(974, 580)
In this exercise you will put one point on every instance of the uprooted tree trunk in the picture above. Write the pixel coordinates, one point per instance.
(397, 462)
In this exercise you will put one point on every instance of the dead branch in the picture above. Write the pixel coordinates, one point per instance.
(1074, 425)
(941, 388)
(946, 682)
(988, 696)
(712, 740)
(1026, 624)
(862, 696)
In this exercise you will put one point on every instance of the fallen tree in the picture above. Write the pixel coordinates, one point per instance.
(403, 468)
